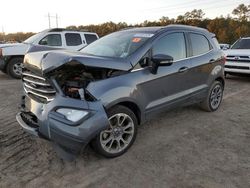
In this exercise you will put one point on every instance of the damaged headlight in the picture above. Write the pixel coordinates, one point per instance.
(72, 114)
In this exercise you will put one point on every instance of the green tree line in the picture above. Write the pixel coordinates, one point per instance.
(227, 29)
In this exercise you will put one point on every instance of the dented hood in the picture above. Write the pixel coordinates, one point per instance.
(46, 61)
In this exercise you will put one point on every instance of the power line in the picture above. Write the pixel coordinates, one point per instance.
(176, 6)
(173, 10)
(188, 4)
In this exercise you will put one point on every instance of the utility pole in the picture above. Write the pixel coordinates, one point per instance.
(49, 20)
(3, 33)
(56, 21)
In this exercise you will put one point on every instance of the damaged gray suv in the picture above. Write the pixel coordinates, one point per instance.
(102, 93)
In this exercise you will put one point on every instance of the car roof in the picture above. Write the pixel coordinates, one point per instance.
(64, 30)
(164, 28)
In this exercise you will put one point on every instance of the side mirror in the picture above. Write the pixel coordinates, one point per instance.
(160, 60)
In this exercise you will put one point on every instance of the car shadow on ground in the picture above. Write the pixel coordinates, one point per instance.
(4, 76)
(241, 77)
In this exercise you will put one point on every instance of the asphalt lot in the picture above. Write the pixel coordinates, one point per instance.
(182, 148)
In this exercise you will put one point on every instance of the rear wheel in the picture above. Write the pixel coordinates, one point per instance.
(119, 136)
(14, 67)
(214, 97)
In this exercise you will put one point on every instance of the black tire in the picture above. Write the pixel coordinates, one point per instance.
(208, 104)
(12, 69)
(97, 144)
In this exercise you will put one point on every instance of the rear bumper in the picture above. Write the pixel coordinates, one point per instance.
(55, 128)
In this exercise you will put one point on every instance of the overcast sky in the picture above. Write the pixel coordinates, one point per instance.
(30, 15)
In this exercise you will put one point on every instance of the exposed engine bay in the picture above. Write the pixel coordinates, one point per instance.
(73, 78)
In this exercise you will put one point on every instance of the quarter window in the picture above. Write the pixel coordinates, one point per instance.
(200, 44)
(73, 39)
(51, 40)
(171, 44)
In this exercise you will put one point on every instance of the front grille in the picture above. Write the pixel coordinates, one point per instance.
(37, 87)
(236, 67)
(234, 58)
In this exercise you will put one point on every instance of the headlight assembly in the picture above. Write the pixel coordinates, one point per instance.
(72, 114)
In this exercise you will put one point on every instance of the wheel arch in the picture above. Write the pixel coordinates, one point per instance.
(133, 107)
(9, 58)
(220, 79)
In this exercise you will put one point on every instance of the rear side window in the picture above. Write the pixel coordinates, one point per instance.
(51, 40)
(90, 38)
(73, 39)
(200, 44)
(172, 44)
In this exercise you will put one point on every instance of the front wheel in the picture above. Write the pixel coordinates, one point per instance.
(214, 97)
(119, 136)
(14, 68)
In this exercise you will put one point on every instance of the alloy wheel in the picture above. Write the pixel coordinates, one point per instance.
(119, 134)
(216, 96)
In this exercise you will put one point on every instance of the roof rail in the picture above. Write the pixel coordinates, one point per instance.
(62, 29)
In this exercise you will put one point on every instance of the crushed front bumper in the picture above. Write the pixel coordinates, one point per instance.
(47, 123)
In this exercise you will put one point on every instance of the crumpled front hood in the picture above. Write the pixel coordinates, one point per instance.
(237, 52)
(47, 61)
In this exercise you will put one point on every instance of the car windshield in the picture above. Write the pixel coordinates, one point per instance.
(242, 44)
(119, 44)
(33, 38)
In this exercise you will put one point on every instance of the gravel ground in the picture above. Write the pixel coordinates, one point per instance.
(182, 148)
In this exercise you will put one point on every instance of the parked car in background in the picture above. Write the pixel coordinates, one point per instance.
(11, 55)
(224, 46)
(238, 57)
(100, 94)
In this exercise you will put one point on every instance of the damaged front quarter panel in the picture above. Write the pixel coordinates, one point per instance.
(70, 75)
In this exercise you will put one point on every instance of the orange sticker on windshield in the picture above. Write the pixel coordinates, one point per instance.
(136, 40)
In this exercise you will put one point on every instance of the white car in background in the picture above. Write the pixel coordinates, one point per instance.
(224, 46)
(11, 55)
(238, 57)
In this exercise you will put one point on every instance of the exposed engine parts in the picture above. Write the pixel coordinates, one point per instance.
(74, 78)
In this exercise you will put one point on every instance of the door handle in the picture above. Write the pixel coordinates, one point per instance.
(183, 69)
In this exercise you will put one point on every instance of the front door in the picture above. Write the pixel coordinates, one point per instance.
(172, 84)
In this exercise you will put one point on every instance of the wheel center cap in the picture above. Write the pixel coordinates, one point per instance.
(117, 132)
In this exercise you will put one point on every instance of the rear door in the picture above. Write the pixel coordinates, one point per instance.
(74, 41)
(202, 60)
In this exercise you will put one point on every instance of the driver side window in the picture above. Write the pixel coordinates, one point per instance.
(172, 44)
(51, 40)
